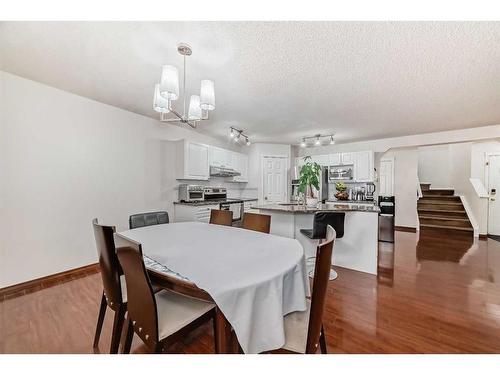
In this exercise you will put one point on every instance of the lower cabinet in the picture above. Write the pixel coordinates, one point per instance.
(183, 212)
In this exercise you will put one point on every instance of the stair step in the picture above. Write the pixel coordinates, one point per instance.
(439, 201)
(446, 222)
(438, 212)
(446, 206)
(448, 198)
(443, 218)
(438, 192)
(465, 229)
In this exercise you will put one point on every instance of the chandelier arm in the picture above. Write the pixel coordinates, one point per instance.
(180, 117)
(193, 124)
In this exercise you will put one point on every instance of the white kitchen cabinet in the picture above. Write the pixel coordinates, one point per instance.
(323, 160)
(334, 159)
(240, 165)
(184, 212)
(192, 160)
(347, 158)
(221, 158)
(363, 166)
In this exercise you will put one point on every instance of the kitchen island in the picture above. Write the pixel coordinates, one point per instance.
(357, 249)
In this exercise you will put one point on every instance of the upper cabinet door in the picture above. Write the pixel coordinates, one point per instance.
(241, 165)
(323, 160)
(363, 166)
(347, 158)
(192, 161)
(334, 159)
(197, 161)
(218, 157)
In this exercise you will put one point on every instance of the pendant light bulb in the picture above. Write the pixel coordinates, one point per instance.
(303, 143)
(231, 134)
(332, 141)
(318, 142)
(248, 142)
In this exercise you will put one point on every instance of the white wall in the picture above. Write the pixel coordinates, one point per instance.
(434, 166)
(257, 150)
(405, 185)
(66, 159)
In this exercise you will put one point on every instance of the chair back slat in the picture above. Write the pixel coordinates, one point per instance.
(141, 303)
(257, 222)
(221, 217)
(320, 285)
(148, 218)
(108, 263)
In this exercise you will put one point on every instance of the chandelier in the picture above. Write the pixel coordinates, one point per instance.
(167, 91)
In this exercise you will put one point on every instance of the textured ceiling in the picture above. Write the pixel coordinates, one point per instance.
(279, 81)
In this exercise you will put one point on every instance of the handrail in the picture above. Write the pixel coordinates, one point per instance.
(419, 189)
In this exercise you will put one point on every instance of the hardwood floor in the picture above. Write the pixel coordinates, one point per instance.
(432, 295)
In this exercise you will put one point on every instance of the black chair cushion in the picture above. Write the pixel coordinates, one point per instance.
(321, 220)
(147, 219)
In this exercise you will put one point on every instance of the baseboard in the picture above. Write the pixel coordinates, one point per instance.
(47, 281)
(405, 229)
(483, 237)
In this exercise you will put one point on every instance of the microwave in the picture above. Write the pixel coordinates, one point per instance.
(191, 193)
(341, 173)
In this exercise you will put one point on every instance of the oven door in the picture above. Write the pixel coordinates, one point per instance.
(195, 196)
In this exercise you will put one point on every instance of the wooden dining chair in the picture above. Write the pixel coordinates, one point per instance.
(221, 217)
(114, 294)
(148, 218)
(304, 329)
(257, 222)
(158, 319)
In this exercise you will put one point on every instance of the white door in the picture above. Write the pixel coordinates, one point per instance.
(386, 177)
(274, 189)
(494, 200)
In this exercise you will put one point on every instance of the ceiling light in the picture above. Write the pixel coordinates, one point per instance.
(231, 134)
(332, 141)
(248, 142)
(317, 142)
(319, 139)
(237, 138)
(303, 143)
(169, 90)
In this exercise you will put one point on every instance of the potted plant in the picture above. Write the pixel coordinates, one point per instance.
(341, 193)
(309, 178)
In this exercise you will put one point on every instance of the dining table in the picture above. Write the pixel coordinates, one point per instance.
(254, 278)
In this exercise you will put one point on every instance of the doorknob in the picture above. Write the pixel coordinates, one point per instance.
(265, 198)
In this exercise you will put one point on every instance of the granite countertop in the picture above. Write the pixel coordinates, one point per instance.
(341, 207)
(218, 201)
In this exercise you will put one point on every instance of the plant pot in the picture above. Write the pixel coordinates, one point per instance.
(342, 195)
(311, 202)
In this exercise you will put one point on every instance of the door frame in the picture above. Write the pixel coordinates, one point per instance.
(488, 155)
(261, 189)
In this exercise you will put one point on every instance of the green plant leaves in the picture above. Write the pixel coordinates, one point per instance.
(309, 175)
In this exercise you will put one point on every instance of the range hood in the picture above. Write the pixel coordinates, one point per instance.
(223, 172)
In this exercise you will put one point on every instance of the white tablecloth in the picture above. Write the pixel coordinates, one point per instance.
(254, 278)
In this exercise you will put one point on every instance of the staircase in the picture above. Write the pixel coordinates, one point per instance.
(440, 209)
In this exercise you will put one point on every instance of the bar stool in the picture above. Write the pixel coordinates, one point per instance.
(321, 220)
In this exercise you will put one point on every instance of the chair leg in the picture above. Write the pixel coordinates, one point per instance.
(100, 320)
(214, 325)
(158, 348)
(117, 329)
(322, 341)
(129, 335)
